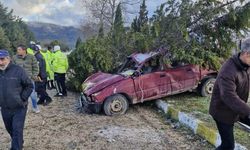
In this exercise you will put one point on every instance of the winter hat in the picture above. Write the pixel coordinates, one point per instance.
(56, 48)
(37, 48)
(32, 42)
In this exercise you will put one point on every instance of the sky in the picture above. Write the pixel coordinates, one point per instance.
(61, 12)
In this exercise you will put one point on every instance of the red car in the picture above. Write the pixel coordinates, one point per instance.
(143, 77)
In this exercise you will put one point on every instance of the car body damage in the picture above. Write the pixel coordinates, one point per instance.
(143, 77)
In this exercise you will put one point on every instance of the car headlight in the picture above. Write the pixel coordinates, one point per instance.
(96, 94)
(86, 86)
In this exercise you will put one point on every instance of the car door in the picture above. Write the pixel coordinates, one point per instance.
(176, 79)
(152, 85)
(190, 76)
(182, 78)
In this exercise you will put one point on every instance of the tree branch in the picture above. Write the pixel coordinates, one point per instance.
(209, 12)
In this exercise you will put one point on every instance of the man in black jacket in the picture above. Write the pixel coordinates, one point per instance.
(44, 97)
(15, 89)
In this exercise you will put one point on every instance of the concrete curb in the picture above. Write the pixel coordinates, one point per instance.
(197, 126)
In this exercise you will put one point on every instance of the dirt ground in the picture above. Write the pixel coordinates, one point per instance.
(60, 127)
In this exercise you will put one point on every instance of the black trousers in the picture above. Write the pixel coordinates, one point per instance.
(60, 81)
(41, 91)
(226, 132)
(14, 124)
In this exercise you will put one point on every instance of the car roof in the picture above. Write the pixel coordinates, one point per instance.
(142, 57)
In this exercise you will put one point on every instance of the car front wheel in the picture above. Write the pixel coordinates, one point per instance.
(207, 87)
(115, 105)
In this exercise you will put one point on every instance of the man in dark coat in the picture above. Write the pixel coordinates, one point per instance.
(230, 94)
(15, 89)
(44, 98)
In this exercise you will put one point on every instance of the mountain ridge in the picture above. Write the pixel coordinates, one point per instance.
(47, 32)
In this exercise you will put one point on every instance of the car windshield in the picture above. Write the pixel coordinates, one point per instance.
(128, 68)
(128, 73)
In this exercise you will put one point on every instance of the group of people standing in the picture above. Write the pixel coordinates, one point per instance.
(28, 74)
(42, 67)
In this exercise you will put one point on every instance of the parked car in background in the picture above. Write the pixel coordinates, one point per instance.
(143, 77)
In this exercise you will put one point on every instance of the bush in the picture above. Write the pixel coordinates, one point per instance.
(90, 57)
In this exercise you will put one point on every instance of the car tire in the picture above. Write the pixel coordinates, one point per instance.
(207, 86)
(115, 105)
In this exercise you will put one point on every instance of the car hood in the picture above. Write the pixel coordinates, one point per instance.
(98, 81)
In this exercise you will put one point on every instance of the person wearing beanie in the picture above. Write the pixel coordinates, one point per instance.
(44, 98)
(15, 89)
(60, 67)
(30, 65)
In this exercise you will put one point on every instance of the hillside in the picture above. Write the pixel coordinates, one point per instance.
(45, 32)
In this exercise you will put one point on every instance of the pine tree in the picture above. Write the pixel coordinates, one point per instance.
(134, 25)
(90, 57)
(78, 42)
(15, 34)
(201, 32)
(143, 17)
(118, 29)
(101, 31)
(5, 16)
(4, 41)
(15, 29)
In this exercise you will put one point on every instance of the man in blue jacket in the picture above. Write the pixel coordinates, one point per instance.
(15, 89)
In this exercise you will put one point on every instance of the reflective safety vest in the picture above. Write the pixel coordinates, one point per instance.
(30, 51)
(60, 62)
(48, 60)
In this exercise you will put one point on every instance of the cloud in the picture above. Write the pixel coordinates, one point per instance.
(62, 12)
(134, 10)
(153, 4)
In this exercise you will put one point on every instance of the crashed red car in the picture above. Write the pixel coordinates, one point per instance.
(143, 77)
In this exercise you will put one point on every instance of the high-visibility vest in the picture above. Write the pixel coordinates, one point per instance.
(30, 51)
(48, 60)
(60, 62)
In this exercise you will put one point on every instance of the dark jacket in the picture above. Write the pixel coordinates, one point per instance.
(231, 92)
(15, 87)
(42, 66)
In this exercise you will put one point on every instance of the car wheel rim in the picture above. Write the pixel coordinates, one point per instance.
(116, 106)
(210, 87)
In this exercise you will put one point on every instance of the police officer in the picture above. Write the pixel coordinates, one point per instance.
(48, 60)
(60, 67)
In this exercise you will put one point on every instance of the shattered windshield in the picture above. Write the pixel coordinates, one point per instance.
(128, 68)
(141, 57)
(128, 73)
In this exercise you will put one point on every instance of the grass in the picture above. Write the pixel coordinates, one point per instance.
(198, 106)
(187, 132)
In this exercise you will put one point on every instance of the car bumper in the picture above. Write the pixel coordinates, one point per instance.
(89, 106)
